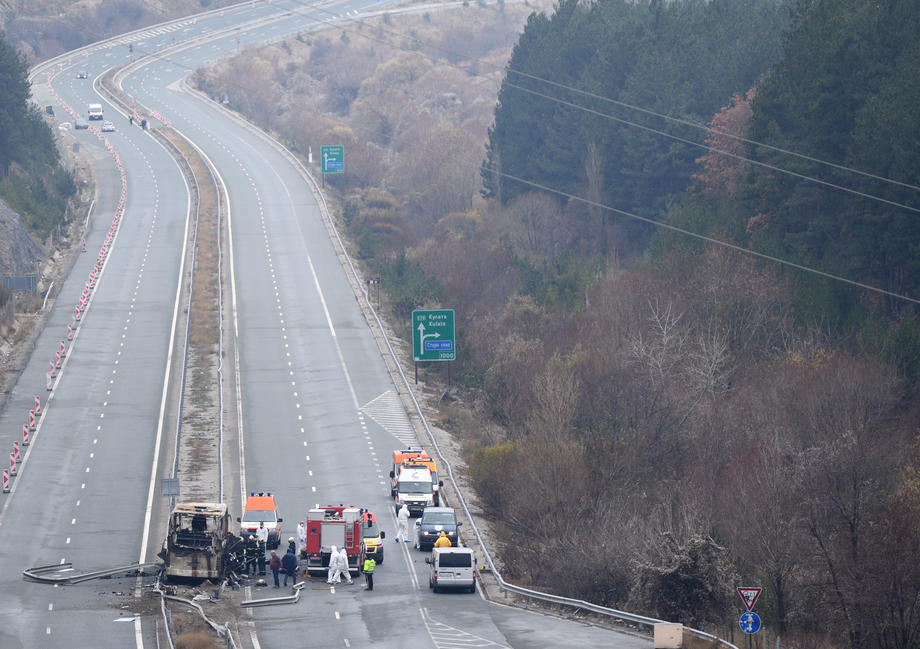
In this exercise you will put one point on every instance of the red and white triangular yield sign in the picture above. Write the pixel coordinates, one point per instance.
(749, 594)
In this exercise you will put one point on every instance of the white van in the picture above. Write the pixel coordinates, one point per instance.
(451, 568)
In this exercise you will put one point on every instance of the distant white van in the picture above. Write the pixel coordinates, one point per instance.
(451, 568)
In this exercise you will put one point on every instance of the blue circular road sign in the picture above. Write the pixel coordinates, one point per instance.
(750, 622)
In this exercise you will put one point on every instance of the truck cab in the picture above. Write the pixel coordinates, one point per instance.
(404, 457)
(414, 489)
(261, 508)
(94, 111)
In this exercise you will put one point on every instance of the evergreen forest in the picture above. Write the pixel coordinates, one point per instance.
(32, 179)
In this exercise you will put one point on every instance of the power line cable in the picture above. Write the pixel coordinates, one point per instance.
(714, 150)
(711, 130)
(702, 237)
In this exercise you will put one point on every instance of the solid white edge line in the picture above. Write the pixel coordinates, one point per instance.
(145, 539)
(169, 359)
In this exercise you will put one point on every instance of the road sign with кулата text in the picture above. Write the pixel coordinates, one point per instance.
(433, 335)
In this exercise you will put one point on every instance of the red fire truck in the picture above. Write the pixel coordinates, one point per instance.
(339, 526)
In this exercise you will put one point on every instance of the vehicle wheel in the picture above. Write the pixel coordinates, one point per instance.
(435, 588)
(430, 585)
(380, 557)
(473, 588)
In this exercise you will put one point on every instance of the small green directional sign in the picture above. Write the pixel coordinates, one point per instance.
(433, 336)
(333, 158)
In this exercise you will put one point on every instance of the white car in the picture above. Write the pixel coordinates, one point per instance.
(107, 127)
(82, 75)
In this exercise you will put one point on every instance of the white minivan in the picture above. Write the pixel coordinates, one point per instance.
(451, 568)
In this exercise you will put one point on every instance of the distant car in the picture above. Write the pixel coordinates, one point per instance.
(79, 124)
(435, 520)
(82, 75)
(107, 127)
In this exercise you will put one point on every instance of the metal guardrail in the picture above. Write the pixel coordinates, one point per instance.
(222, 630)
(283, 599)
(58, 573)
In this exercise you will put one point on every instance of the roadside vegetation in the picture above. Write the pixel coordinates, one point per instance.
(41, 29)
(650, 420)
(32, 179)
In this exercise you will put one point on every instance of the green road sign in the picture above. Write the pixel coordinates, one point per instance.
(433, 335)
(333, 158)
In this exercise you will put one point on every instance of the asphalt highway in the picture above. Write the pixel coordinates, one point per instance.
(318, 412)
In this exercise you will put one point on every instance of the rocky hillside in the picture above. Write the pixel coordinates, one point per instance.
(19, 254)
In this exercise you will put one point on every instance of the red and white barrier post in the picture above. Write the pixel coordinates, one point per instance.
(16, 453)
(49, 382)
(70, 331)
(6, 481)
(38, 406)
(31, 420)
(25, 434)
(13, 469)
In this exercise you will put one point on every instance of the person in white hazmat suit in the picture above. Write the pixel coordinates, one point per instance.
(343, 565)
(402, 524)
(334, 574)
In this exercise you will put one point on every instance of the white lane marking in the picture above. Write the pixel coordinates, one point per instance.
(444, 635)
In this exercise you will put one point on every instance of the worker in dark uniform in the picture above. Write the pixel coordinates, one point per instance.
(252, 554)
(260, 557)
